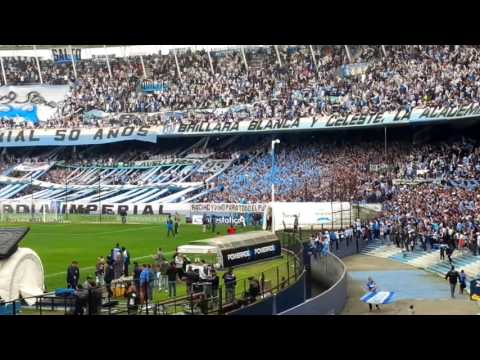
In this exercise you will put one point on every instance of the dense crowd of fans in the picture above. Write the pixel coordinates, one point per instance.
(359, 172)
(402, 77)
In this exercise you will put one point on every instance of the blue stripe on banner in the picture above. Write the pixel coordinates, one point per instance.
(381, 297)
(389, 299)
(368, 296)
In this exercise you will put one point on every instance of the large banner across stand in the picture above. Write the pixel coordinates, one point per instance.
(80, 136)
(91, 136)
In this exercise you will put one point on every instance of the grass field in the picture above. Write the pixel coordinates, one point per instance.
(59, 244)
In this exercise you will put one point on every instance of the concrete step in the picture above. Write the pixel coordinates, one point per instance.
(429, 261)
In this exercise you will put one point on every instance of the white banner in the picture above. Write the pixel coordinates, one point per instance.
(91, 136)
(401, 117)
(81, 136)
(309, 214)
(28, 168)
(227, 208)
(197, 219)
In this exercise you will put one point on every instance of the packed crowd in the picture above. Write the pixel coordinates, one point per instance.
(404, 77)
(345, 172)
(429, 213)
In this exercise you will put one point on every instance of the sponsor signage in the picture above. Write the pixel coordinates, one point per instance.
(247, 254)
(106, 208)
(79, 207)
(65, 55)
(310, 214)
(228, 208)
(226, 219)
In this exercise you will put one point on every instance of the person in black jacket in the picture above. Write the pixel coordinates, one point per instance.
(73, 275)
(253, 290)
(81, 300)
(452, 277)
(189, 275)
(449, 252)
(230, 283)
(109, 275)
(215, 281)
(137, 270)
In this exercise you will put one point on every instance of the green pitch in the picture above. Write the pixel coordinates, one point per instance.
(59, 244)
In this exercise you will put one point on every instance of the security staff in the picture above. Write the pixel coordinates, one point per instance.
(73, 275)
(453, 276)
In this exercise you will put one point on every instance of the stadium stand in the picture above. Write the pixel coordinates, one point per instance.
(427, 185)
(289, 84)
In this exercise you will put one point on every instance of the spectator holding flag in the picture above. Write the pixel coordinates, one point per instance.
(371, 286)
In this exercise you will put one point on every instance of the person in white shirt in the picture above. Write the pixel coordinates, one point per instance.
(179, 264)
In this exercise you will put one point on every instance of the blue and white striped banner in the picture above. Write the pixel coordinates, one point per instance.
(380, 297)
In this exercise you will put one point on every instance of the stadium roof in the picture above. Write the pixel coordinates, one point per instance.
(238, 240)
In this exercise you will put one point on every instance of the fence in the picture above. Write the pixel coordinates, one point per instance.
(202, 297)
(331, 271)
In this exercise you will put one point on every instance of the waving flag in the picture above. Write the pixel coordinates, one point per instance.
(380, 297)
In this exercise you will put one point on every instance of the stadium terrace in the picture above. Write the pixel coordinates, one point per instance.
(223, 176)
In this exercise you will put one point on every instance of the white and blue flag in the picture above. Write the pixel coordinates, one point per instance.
(379, 297)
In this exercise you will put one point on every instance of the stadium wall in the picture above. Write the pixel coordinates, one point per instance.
(332, 275)
(332, 272)
(291, 296)
(328, 271)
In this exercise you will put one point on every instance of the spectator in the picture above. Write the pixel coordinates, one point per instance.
(253, 290)
(137, 270)
(151, 280)
(452, 277)
(163, 275)
(73, 275)
(462, 281)
(145, 284)
(179, 264)
(100, 271)
(109, 277)
(230, 282)
(215, 282)
(189, 279)
(172, 279)
(170, 226)
(126, 260)
(177, 222)
(372, 287)
(132, 299)
(231, 230)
